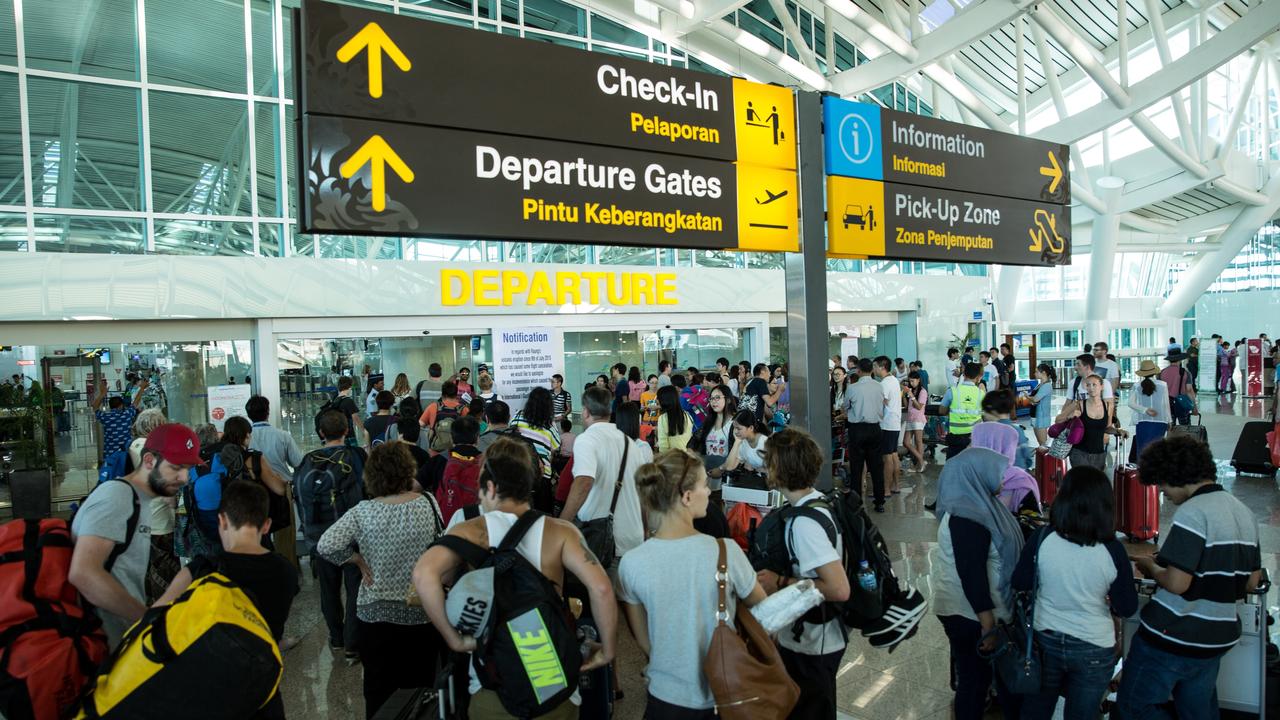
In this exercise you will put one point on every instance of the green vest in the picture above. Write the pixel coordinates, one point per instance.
(966, 409)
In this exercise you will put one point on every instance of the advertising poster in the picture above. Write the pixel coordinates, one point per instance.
(1253, 368)
(227, 401)
(525, 358)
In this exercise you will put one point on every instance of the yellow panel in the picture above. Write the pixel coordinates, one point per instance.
(855, 217)
(764, 119)
(768, 209)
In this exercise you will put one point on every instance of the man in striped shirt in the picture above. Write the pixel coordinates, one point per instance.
(1208, 562)
(561, 400)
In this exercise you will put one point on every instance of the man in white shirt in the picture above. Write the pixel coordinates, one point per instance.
(953, 367)
(989, 376)
(1084, 366)
(890, 424)
(1109, 370)
(597, 455)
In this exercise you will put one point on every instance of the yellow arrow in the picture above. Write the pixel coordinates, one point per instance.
(1054, 171)
(378, 154)
(373, 37)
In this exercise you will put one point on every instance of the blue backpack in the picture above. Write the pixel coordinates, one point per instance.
(205, 495)
(113, 466)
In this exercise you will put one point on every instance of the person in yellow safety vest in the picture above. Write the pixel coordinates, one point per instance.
(963, 407)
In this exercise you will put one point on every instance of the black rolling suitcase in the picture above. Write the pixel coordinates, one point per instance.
(1196, 431)
(441, 702)
(595, 687)
(1252, 454)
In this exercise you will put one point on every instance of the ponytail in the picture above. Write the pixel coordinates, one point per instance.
(1148, 386)
(662, 482)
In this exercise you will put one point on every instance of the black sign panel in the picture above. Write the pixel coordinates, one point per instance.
(398, 179)
(868, 218)
(871, 142)
(362, 63)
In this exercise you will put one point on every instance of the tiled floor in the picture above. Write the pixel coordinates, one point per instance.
(908, 684)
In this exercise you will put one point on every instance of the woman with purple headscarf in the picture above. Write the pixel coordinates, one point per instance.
(1018, 491)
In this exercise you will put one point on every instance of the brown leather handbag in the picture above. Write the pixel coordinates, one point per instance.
(743, 666)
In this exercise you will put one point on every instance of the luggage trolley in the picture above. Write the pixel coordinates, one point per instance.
(1242, 676)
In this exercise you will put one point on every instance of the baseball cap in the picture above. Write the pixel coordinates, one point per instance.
(176, 442)
(470, 602)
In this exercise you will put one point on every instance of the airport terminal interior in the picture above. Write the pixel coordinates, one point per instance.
(228, 220)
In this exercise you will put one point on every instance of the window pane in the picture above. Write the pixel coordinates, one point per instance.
(199, 154)
(89, 159)
(288, 55)
(626, 255)
(291, 160)
(572, 254)
(81, 36)
(267, 139)
(555, 16)
(13, 232)
(175, 27)
(89, 235)
(8, 39)
(264, 60)
(194, 236)
(609, 31)
(269, 239)
(11, 190)
(301, 244)
(365, 248)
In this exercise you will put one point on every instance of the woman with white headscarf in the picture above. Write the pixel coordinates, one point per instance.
(978, 546)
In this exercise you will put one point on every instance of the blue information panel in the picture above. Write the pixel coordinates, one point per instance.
(853, 146)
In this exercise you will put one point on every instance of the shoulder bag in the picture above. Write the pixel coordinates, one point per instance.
(743, 667)
(1016, 659)
(599, 532)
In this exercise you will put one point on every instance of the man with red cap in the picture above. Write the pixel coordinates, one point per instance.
(113, 536)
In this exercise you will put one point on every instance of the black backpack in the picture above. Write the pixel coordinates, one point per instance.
(327, 484)
(330, 404)
(768, 550)
(528, 651)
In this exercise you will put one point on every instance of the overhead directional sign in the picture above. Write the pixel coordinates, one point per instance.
(503, 186)
(874, 143)
(867, 218)
(394, 83)
(909, 187)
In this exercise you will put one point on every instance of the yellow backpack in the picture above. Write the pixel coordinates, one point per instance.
(208, 655)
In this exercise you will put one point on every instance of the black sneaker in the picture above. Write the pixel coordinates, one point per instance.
(879, 507)
(898, 620)
(335, 644)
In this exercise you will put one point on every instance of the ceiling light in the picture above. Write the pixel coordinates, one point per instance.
(752, 43)
(802, 72)
(845, 8)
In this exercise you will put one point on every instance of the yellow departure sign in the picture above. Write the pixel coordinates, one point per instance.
(373, 38)
(768, 209)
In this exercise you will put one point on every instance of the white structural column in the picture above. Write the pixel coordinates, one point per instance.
(1008, 284)
(1210, 265)
(266, 366)
(1102, 263)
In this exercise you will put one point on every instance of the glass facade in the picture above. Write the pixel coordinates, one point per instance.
(166, 126)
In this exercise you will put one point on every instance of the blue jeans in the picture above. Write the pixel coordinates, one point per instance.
(1074, 669)
(1153, 676)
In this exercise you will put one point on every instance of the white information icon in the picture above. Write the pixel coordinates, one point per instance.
(856, 139)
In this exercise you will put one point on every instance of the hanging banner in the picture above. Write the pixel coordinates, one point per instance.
(227, 401)
(523, 359)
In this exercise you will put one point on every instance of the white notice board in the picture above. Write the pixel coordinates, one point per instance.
(525, 358)
(227, 401)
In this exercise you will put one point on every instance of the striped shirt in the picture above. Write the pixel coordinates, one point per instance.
(561, 403)
(1214, 539)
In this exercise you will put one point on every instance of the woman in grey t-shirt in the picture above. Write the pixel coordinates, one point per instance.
(669, 588)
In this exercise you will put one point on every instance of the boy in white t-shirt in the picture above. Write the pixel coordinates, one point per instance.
(812, 657)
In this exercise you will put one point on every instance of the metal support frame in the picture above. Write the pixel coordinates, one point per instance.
(806, 289)
(793, 34)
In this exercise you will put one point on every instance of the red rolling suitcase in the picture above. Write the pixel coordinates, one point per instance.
(1137, 505)
(1049, 472)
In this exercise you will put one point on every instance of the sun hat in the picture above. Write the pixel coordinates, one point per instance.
(1147, 369)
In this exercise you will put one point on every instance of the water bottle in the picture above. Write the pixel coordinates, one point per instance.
(866, 578)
